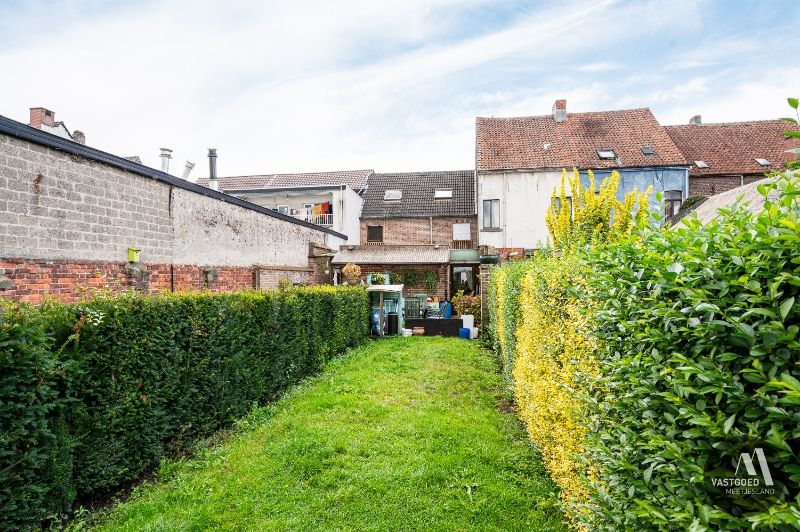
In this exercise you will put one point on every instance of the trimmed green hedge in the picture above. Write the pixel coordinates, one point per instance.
(94, 395)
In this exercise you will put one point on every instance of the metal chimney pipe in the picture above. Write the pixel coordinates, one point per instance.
(166, 155)
(187, 170)
(213, 182)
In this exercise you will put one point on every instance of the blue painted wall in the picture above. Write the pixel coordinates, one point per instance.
(661, 178)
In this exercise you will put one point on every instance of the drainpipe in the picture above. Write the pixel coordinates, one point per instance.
(213, 182)
(430, 227)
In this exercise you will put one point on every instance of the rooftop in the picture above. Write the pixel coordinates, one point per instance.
(732, 148)
(420, 194)
(575, 140)
(355, 179)
(390, 254)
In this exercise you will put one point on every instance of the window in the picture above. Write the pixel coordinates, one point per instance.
(647, 150)
(701, 164)
(443, 193)
(308, 206)
(393, 195)
(374, 233)
(491, 214)
(461, 232)
(763, 162)
(606, 154)
(672, 202)
(283, 209)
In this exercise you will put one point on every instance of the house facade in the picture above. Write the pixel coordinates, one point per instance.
(328, 199)
(724, 156)
(408, 217)
(519, 163)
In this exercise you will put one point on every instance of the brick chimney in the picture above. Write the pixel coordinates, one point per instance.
(560, 110)
(696, 120)
(79, 137)
(40, 115)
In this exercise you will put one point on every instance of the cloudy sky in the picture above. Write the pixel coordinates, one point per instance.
(391, 85)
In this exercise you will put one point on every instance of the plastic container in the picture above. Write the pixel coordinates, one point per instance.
(468, 321)
(447, 309)
(473, 333)
(464, 333)
(406, 332)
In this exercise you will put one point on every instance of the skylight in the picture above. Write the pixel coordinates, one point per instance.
(606, 154)
(701, 164)
(647, 150)
(443, 193)
(763, 162)
(393, 195)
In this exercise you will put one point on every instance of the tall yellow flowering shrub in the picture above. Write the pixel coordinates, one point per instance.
(540, 314)
(580, 215)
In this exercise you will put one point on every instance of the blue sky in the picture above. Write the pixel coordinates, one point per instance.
(391, 85)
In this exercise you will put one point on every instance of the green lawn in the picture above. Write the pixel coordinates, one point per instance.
(402, 434)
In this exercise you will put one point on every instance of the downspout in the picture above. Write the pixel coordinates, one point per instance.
(430, 227)
(504, 209)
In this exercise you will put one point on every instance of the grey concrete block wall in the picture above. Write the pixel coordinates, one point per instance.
(58, 206)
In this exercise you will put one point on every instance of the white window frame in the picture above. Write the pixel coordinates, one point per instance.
(494, 214)
(443, 193)
(283, 209)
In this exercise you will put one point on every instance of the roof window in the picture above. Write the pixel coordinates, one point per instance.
(443, 193)
(701, 164)
(393, 195)
(763, 162)
(606, 154)
(647, 150)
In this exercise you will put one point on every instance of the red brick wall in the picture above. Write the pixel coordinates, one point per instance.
(418, 230)
(708, 186)
(32, 280)
(419, 287)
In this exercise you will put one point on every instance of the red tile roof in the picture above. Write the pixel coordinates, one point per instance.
(355, 179)
(733, 147)
(541, 142)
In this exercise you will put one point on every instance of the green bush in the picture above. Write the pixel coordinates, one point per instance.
(698, 355)
(95, 394)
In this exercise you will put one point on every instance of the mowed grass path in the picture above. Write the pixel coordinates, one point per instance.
(402, 434)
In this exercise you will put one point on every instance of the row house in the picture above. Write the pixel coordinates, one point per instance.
(519, 164)
(420, 227)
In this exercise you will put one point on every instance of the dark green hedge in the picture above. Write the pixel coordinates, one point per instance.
(94, 395)
(699, 358)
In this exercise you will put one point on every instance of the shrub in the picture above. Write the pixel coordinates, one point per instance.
(351, 272)
(505, 312)
(431, 280)
(410, 277)
(112, 385)
(468, 305)
(396, 278)
(698, 356)
(377, 278)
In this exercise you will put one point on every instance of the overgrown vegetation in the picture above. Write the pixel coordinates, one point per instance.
(401, 434)
(94, 395)
(647, 362)
(468, 304)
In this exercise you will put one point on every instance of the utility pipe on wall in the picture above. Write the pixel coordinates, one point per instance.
(213, 182)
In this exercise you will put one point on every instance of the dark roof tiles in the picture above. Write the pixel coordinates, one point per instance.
(418, 190)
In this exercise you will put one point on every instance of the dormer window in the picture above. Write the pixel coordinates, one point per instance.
(647, 150)
(393, 195)
(606, 154)
(701, 164)
(763, 162)
(443, 193)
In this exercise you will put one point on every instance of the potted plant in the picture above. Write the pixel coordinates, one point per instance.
(352, 273)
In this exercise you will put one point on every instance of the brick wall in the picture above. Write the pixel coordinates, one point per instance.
(708, 186)
(418, 230)
(64, 218)
(442, 270)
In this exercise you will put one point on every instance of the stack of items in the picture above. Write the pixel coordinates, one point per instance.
(468, 330)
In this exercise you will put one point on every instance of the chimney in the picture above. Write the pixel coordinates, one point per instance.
(166, 155)
(79, 137)
(41, 116)
(560, 110)
(696, 120)
(187, 170)
(213, 182)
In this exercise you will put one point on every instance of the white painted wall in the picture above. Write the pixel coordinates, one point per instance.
(349, 215)
(524, 200)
